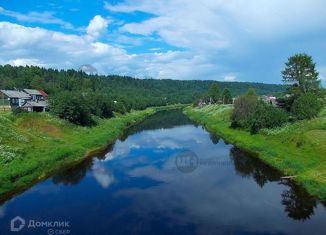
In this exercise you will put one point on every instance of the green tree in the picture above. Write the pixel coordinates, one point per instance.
(119, 107)
(214, 92)
(251, 92)
(37, 83)
(226, 96)
(306, 106)
(300, 71)
(244, 109)
(100, 104)
(72, 107)
(267, 116)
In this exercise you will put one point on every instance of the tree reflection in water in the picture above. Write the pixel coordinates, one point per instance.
(161, 120)
(214, 138)
(76, 173)
(247, 165)
(299, 205)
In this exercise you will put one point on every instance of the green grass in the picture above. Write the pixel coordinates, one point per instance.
(297, 149)
(34, 145)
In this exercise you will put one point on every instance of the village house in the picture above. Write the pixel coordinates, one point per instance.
(30, 100)
(34, 94)
(270, 99)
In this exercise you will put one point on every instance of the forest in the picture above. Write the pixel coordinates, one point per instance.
(100, 95)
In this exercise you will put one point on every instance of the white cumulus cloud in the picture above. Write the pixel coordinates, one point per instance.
(230, 78)
(208, 39)
(97, 26)
(22, 45)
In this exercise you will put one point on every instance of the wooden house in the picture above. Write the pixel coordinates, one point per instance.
(29, 99)
(34, 94)
(16, 98)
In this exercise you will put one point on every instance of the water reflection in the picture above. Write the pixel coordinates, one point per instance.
(3, 210)
(103, 175)
(299, 205)
(249, 166)
(214, 138)
(135, 187)
(161, 120)
(73, 175)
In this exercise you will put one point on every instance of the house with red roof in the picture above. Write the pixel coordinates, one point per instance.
(30, 100)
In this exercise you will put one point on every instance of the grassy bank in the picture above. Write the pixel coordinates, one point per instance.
(34, 145)
(298, 149)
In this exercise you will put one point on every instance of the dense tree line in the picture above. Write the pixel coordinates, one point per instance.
(214, 96)
(118, 93)
(139, 93)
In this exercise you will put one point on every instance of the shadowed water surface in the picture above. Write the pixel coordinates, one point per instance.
(169, 176)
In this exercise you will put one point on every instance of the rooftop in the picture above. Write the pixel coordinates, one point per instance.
(43, 93)
(15, 94)
(32, 92)
(35, 104)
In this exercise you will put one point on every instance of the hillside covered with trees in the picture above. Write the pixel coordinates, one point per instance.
(137, 93)
(75, 95)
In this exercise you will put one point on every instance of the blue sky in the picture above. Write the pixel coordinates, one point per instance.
(225, 40)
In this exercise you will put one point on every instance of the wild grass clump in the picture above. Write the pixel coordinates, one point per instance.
(286, 128)
(8, 154)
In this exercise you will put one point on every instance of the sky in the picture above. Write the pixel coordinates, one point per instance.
(223, 40)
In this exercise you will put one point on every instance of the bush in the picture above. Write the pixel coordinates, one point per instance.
(307, 106)
(120, 107)
(18, 110)
(244, 109)
(72, 107)
(100, 105)
(267, 116)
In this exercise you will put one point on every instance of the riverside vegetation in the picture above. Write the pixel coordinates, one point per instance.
(297, 149)
(292, 137)
(33, 145)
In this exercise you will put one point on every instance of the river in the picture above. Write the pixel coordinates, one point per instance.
(166, 175)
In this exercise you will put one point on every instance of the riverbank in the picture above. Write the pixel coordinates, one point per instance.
(297, 149)
(34, 145)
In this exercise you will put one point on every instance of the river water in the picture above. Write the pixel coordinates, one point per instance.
(166, 175)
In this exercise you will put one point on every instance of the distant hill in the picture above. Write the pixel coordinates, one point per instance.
(139, 93)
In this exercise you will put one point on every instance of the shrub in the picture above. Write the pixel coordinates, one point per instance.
(307, 106)
(100, 105)
(244, 108)
(18, 110)
(267, 116)
(120, 107)
(72, 107)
